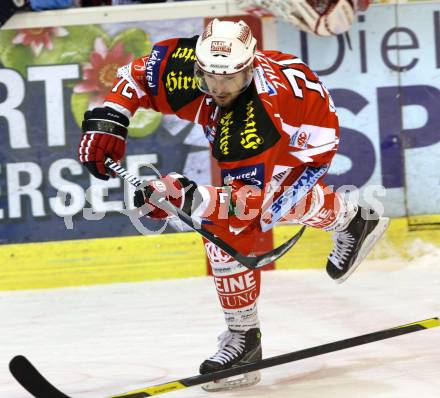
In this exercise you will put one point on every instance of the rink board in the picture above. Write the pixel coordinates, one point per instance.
(97, 261)
(168, 256)
(401, 240)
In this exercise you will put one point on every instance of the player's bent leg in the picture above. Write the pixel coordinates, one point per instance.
(355, 229)
(238, 289)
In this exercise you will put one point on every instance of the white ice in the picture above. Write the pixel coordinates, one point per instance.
(103, 340)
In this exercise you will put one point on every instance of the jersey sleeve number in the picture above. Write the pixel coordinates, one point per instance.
(127, 91)
(294, 74)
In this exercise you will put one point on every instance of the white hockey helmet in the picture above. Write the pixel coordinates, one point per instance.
(225, 48)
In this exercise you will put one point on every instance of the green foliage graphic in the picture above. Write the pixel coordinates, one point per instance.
(77, 44)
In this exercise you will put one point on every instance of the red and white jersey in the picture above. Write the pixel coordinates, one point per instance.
(285, 120)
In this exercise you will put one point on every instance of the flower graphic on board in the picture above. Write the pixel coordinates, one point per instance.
(38, 38)
(100, 72)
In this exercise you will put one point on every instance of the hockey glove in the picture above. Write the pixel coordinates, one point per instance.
(176, 188)
(322, 17)
(104, 133)
(244, 205)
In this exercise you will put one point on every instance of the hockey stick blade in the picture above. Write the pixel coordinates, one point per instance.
(32, 380)
(252, 262)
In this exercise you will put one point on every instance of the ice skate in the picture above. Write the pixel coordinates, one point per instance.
(235, 348)
(354, 243)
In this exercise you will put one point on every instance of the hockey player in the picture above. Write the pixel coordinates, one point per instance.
(273, 131)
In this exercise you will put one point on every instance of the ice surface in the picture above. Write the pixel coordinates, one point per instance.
(103, 340)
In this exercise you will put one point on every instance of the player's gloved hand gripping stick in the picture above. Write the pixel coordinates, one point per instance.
(251, 261)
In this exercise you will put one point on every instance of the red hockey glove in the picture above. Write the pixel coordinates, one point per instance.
(104, 134)
(176, 188)
(244, 205)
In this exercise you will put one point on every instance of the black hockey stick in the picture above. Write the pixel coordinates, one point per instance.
(32, 380)
(252, 262)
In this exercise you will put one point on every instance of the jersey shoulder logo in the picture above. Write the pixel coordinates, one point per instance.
(152, 67)
(262, 83)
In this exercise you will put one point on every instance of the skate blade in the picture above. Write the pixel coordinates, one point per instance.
(367, 246)
(232, 383)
